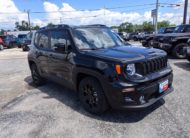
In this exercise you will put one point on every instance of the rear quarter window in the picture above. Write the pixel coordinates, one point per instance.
(41, 40)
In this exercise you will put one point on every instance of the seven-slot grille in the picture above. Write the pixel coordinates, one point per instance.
(152, 65)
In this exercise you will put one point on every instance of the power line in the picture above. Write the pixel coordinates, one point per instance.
(108, 8)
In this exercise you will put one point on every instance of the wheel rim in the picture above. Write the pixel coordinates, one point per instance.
(90, 96)
(180, 51)
(150, 43)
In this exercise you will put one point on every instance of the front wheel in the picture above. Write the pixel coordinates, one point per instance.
(150, 43)
(92, 96)
(37, 79)
(179, 51)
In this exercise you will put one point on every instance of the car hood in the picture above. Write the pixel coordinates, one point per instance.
(175, 34)
(127, 53)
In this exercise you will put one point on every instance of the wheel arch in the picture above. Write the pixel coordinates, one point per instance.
(82, 73)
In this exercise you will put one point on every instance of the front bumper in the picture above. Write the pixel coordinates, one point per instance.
(164, 46)
(144, 42)
(188, 53)
(144, 95)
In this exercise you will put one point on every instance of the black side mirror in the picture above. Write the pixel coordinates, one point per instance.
(60, 47)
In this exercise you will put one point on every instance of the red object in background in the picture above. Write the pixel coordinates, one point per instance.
(1, 41)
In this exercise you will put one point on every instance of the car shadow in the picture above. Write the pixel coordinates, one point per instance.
(183, 65)
(70, 99)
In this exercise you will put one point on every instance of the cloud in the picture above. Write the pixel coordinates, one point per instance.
(67, 14)
(8, 19)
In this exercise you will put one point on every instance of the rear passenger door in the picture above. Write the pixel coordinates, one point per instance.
(41, 42)
(60, 65)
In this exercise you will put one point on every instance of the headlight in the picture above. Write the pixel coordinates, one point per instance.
(130, 70)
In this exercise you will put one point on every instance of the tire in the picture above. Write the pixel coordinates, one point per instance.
(178, 51)
(150, 43)
(92, 96)
(135, 39)
(37, 79)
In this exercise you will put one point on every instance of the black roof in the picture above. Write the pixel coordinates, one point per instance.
(70, 26)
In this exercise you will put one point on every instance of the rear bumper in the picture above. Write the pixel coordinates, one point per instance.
(143, 95)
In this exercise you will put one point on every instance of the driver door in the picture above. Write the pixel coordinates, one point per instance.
(60, 65)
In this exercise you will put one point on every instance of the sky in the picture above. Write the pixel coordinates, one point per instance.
(80, 12)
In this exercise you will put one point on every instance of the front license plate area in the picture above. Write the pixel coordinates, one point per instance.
(163, 86)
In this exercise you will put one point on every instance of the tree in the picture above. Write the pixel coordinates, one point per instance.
(2, 32)
(127, 27)
(164, 24)
(35, 27)
(148, 26)
(50, 24)
(24, 26)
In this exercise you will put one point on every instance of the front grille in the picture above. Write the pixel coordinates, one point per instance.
(151, 66)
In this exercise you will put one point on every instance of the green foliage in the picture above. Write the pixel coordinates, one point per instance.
(24, 26)
(2, 32)
(148, 26)
(145, 26)
(50, 24)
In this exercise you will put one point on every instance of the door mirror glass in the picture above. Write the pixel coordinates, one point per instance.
(60, 47)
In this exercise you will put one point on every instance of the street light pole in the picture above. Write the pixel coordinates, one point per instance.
(185, 12)
(28, 12)
(156, 18)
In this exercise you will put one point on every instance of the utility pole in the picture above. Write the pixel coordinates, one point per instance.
(185, 12)
(156, 18)
(60, 20)
(104, 14)
(28, 12)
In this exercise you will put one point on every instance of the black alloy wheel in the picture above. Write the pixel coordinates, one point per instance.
(179, 51)
(92, 96)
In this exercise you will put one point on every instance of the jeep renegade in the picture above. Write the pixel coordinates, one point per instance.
(93, 61)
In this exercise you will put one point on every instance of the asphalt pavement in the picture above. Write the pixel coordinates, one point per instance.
(54, 111)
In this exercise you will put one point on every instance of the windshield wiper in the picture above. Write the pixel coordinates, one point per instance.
(88, 48)
(91, 48)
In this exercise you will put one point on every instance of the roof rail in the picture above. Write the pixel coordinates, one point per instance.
(55, 26)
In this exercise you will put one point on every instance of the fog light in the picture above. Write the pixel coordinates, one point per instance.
(142, 100)
(128, 90)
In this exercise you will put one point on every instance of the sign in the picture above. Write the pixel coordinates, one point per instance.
(153, 13)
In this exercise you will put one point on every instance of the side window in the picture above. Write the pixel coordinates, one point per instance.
(187, 29)
(59, 37)
(43, 40)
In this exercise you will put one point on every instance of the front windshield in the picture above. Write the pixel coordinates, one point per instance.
(161, 30)
(95, 38)
(179, 29)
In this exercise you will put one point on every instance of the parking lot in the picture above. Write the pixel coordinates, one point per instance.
(53, 111)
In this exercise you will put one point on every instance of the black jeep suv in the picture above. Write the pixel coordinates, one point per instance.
(147, 40)
(175, 42)
(94, 61)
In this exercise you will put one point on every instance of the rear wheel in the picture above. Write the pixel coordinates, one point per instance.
(92, 96)
(150, 43)
(37, 79)
(179, 51)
